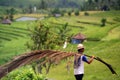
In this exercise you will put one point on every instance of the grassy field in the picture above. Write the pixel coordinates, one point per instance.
(107, 48)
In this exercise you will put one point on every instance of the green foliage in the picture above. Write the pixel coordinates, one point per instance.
(42, 5)
(69, 13)
(103, 21)
(108, 49)
(1, 18)
(86, 14)
(44, 36)
(86, 5)
(56, 11)
(30, 9)
(64, 32)
(10, 12)
(77, 13)
(41, 36)
(24, 74)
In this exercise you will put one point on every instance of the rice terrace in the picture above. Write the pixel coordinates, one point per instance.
(39, 39)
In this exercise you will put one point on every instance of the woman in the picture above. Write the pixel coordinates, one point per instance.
(79, 60)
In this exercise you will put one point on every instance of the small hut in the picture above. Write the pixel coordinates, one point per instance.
(6, 21)
(57, 15)
(78, 38)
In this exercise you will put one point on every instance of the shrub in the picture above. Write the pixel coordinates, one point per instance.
(24, 74)
(69, 13)
(103, 21)
(77, 12)
(1, 17)
(56, 11)
(86, 14)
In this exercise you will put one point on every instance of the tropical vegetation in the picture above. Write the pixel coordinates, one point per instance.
(99, 23)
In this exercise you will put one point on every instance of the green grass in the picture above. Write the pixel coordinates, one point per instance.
(96, 70)
(108, 14)
(17, 36)
(113, 34)
(107, 50)
(90, 30)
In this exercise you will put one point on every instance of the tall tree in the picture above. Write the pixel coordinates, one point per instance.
(10, 13)
(43, 5)
(43, 36)
(30, 9)
(63, 32)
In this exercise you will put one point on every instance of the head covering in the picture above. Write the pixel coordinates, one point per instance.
(80, 46)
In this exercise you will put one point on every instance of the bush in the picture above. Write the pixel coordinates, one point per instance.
(69, 13)
(1, 17)
(86, 14)
(56, 11)
(24, 74)
(103, 21)
(62, 13)
(77, 12)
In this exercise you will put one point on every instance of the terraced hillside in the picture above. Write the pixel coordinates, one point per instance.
(9, 32)
(10, 35)
(107, 45)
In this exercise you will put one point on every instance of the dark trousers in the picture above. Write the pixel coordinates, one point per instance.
(79, 76)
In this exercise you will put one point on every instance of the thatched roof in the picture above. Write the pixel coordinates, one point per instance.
(79, 36)
(6, 21)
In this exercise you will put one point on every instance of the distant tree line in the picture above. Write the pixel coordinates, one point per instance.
(102, 4)
(80, 4)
